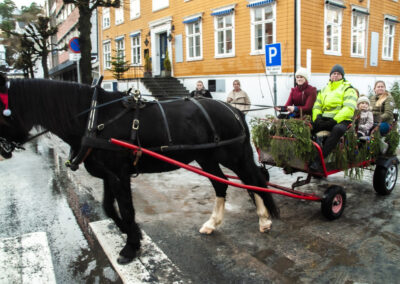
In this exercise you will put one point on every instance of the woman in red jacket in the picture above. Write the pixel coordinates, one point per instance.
(301, 98)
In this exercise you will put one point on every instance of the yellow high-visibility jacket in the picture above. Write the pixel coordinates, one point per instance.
(337, 100)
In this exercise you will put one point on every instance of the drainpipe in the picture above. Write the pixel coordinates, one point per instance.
(297, 36)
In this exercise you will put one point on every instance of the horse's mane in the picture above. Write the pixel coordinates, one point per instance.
(50, 102)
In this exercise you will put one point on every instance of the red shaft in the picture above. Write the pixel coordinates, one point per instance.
(208, 175)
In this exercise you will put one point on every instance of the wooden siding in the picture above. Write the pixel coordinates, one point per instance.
(312, 36)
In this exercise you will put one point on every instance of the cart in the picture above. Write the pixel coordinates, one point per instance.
(334, 198)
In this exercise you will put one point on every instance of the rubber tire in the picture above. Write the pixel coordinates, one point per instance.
(332, 195)
(265, 173)
(380, 179)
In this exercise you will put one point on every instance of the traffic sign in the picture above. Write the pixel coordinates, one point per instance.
(273, 58)
(74, 56)
(74, 45)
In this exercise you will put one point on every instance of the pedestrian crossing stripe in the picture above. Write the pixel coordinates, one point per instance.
(26, 259)
(142, 268)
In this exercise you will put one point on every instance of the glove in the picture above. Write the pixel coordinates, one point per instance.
(327, 124)
(318, 118)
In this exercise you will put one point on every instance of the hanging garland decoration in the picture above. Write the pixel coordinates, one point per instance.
(393, 139)
(283, 150)
(349, 151)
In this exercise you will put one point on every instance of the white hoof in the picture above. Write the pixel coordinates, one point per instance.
(266, 226)
(206, 230)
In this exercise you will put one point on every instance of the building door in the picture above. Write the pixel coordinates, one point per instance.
(163, 49)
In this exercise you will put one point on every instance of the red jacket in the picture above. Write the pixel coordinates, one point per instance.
(303, 97)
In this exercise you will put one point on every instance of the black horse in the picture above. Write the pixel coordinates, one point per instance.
(185, 125)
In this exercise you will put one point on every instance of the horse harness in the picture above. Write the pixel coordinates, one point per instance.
(135, 104)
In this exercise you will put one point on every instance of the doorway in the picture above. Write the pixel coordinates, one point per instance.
(163, 49)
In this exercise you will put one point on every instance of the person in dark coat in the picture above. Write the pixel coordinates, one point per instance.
(200, 91)
(301, 98)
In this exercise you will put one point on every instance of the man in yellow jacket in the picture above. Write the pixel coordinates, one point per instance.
(333, 110)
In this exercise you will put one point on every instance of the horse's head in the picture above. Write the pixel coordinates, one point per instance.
(12, 134)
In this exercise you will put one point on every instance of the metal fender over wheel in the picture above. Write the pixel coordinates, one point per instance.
(333, 202)
(385, 179)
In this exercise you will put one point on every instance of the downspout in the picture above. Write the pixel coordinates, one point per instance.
(367, 36)
(297, 36)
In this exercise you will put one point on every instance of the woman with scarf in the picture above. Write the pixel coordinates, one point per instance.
(301, 98)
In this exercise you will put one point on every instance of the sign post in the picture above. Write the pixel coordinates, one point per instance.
(273, 63)
(75, 54)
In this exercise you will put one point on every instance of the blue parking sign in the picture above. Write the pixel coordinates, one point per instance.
(273, 60)
(273, 54)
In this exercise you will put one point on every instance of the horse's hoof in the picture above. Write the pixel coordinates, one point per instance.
(124, 260)
(266, 226)
(206, 230)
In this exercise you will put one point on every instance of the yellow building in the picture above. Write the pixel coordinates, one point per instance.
(219, 41)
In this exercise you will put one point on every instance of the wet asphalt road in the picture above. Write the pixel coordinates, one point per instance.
(363, 246)
(31, 200)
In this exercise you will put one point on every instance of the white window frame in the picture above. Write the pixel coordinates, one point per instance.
(106, 17)
(136, 49)
(159, 5)
(338, 25)
(119, 14)
(120, 46)
(388, 37)
(107, 54)
(358, 32)
(134, 9)
(193, 36)
(224, 30)
(253, 25)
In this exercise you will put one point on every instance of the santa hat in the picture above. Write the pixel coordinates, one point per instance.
(4, 100)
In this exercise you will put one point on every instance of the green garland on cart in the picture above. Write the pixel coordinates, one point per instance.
(283, 150)
(350, 150)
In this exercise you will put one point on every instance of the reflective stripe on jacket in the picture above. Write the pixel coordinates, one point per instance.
(338, 100)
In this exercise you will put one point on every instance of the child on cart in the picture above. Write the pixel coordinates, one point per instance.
(365, 118)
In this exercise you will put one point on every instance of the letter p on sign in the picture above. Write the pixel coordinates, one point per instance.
(273, 54)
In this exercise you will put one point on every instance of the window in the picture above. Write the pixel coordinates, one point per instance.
(135, 49)
(358, 31)
(134, 9)
(388, 40)
(119, 14)
(333, 30)
(106, 18)
(107, 54)
(194, 40)
(224, 35)
(262, 27)
(120, 48)
(160, 4)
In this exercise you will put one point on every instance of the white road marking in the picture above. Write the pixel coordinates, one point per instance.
(26, 259)
(141, 269)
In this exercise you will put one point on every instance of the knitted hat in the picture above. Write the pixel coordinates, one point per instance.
(337, 68)
(363, 99)
(4, 100)
(302, 72)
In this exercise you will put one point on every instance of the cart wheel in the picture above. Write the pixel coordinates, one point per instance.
(333, 202)
(265, 173)
(385, 179)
